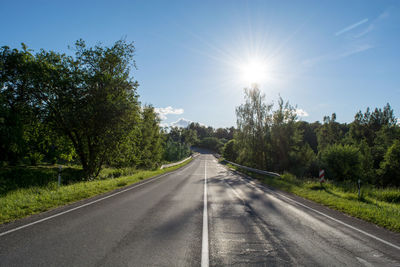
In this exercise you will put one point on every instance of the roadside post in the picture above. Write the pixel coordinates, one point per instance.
(321, 177)
(359, 187)
(59, 175)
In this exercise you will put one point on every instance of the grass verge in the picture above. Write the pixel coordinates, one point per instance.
(23, 202)
(371, 206)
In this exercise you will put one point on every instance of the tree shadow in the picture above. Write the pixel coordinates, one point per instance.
(12, 178)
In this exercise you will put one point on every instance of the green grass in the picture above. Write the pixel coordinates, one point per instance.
(379, 206)
(45, 195)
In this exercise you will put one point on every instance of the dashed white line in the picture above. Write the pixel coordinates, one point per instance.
(204, 248)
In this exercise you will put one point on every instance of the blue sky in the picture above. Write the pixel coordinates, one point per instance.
(323, 56)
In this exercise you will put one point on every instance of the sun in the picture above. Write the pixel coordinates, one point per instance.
(253, 71)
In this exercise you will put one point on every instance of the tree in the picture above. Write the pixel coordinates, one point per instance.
(16, 109)
(343, 162)
(89, 98)
(367, 125)
(390, 167)
(285, 137)
(309, 133)
(150, 142)
(230, 151)
(190, 137)
(331, 132)
(253, 119)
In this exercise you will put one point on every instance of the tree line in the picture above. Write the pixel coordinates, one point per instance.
(84, 108)
(272, 138)
(76, 108)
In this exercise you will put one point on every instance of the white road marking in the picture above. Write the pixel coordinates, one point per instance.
(204, 248)
(234, 191)
(364, 262)
(79, 207)
(252, 184)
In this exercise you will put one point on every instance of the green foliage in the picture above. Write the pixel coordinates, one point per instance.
(274, 140)
(331, 132)
(177, 143)
(57, 106)
(270, 139)
(175, 151)
(211, 143)
(309, 131)
(367, 125)
(304, 161)
(189, 137)
(229, 151)
(343, 162)
(253, 120)
(367, 171)
(285, 138)
(150, 144)
(390, 167)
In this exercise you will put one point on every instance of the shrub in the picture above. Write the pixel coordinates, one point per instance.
(229, 151)
(342, 162)
(390, 166)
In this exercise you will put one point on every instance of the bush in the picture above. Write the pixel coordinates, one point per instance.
(342, 162)
(390, 166)
(229, 151)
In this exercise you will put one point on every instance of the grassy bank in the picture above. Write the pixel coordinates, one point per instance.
(379, 206)
(28, 200)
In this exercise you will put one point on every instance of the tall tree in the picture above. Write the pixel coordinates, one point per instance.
(151, 140)
(285, 137)
(253, 119)
(90, 98)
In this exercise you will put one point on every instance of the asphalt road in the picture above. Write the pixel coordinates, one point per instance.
(164, 222)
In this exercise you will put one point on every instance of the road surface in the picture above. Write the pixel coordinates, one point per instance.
(169, 221)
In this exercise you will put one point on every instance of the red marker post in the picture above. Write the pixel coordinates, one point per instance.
(321, 176)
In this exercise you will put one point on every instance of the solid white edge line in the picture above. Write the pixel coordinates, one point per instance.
(327, 216)
(204, 247)
(79, 207)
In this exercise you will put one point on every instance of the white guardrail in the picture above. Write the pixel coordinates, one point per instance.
(252, 169)
(179, 162)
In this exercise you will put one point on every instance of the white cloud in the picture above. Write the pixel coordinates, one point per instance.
(182, 123)
(301, 112)
(338, 54)
(373, 25)
(350, 27)
(163, 112)
(355, 50)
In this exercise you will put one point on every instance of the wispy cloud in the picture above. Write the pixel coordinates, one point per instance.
(354, 49)
(353, 26)
(163, 112)
(373, 25)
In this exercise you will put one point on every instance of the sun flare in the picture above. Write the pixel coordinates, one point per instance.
(254, 71)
